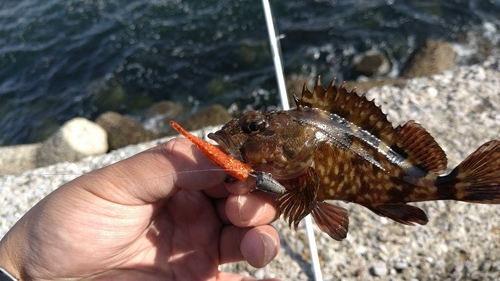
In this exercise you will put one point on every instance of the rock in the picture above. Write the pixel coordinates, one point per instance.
(372, 64)
(18, 158)
(213, 115)
(400, 265)
(159, 114)
(260, 273)
(123, 131)
(364, 86)
(76, 139)
(167, 109)
(379, 269)
(432, 57)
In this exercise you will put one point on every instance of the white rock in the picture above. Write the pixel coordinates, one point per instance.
(260, 273)
(76, 139)
(379, 269)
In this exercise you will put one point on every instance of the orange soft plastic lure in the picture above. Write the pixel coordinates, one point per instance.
(234, 167)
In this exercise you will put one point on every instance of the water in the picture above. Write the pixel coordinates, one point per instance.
(62, 59)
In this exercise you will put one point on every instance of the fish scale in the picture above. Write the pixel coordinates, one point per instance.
(337, 145)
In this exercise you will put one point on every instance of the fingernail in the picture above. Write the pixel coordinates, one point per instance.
(249, 208)
(240, 207)
(269, 247)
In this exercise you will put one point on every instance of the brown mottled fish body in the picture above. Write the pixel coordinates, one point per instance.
(337, 145)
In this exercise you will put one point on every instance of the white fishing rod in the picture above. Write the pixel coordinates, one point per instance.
(278, 67)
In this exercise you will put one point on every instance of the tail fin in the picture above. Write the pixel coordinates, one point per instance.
(476, 179)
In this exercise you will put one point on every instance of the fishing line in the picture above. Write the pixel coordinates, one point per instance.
(131, 178)
(278, 68)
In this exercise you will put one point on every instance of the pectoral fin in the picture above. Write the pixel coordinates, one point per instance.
(300, 199)
(402, 213)
(331, 219)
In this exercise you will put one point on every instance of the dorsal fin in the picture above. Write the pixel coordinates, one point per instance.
(348, 105)
(410, 140)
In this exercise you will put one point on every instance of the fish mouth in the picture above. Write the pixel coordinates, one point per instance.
(224, 140)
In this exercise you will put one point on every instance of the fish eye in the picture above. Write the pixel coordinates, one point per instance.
(254, 126)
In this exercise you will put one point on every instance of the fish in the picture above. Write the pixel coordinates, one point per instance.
(338, 145)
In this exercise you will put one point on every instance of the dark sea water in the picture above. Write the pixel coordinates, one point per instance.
(63, 59)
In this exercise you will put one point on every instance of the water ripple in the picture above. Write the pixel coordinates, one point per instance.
(62, 59)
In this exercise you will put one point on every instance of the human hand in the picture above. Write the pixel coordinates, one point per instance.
(127, 221)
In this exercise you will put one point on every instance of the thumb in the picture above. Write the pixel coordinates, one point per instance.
(154, 174)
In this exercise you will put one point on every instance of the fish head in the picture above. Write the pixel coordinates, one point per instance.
(274, 142)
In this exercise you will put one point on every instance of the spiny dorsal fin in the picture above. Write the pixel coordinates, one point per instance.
(410, 140)
(348, 105)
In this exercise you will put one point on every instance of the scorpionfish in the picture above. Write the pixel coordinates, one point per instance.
(337, 145)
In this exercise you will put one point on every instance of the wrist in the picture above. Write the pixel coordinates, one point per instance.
(7, 262)
(6, 276)
(7, 270)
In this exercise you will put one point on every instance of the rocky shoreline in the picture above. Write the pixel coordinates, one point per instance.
(460, 108)
(78, 137)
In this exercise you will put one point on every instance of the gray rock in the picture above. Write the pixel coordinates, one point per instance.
(372, 64)
(76, 139)
(159, 115)
(400, 265)
(432, 57)
(123, 131)
(165, 108)
(365, 86)
(213, 115)
(18, 158)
